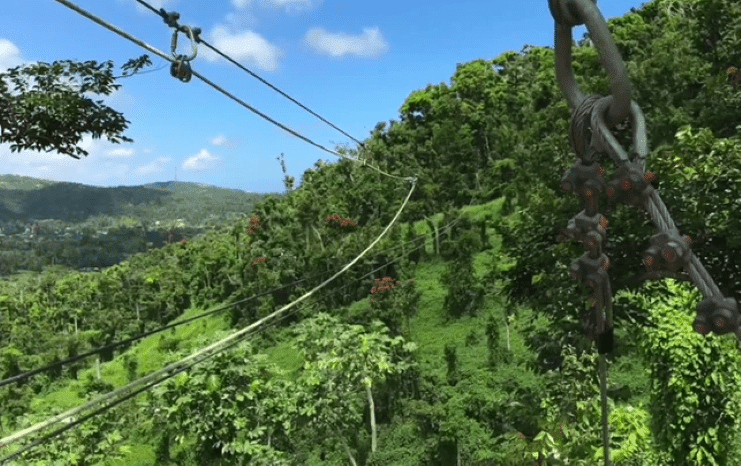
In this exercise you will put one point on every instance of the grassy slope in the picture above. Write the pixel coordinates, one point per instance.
(429, 331)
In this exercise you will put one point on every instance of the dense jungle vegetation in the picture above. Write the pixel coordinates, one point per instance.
(469, 351)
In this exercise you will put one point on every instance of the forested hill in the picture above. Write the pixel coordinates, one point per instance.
(82, 227)
(25, 199)
(468, 351)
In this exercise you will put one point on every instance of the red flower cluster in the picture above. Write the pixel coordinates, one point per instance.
(384, 284)
(336, 220)
(254, 223)
(259, 260)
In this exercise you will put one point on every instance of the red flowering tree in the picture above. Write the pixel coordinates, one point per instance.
(394, 303)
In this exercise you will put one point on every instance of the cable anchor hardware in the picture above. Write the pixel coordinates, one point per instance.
(584, 180)
(589, 270)
(718, 315)
(630, 185)
(668, 251)
(180, 68)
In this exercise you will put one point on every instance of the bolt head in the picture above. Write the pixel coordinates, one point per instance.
(701, 328)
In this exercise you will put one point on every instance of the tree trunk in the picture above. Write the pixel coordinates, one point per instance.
(308, 241)
(506, 325)
(321, 243)
(433, 227)
(374, 440)
(349, 454)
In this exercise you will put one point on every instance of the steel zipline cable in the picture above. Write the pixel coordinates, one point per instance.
(161, 54)
(220, 308)
(208, 351)
(172, 22)
(76, 422)
(172, 369)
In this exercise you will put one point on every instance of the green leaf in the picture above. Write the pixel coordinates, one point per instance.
(213, 383)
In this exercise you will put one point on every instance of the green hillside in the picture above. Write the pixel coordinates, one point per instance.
(506, 373)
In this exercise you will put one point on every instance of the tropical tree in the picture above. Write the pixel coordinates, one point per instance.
(54, 115)
(342, 365)
(247, 410)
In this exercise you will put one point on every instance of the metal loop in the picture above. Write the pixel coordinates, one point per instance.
(609, 56)
(562, 14)
(609, 142)
(580, 128)
(192, 43)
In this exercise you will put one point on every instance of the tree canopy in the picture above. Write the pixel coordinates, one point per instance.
(53, 114)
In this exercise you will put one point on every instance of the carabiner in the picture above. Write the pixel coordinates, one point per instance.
(192, 43)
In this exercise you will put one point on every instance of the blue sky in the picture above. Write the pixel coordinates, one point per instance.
(353, 63)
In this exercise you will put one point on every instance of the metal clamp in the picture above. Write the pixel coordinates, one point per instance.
(584, 180)
(718, 315)
(630, 186)
(668, 251)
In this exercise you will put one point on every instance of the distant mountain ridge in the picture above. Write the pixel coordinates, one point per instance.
(26, 199)
(45, 222)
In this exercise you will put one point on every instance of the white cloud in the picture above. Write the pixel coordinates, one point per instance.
(98, 167)
(120, 153)
(370, 43)
(230, 142)
(10, 55)
(155, 166)
(149, 169)
(202, 161)
(246, 46)
(219, 140)
(291, 6)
